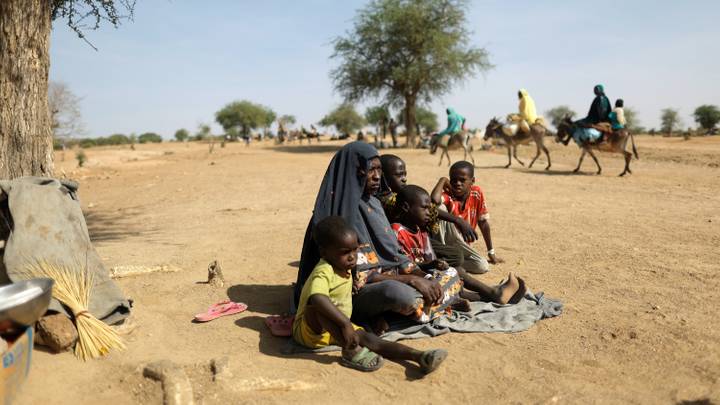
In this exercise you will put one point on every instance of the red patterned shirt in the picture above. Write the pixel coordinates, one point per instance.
(416, 245)
(475, 208)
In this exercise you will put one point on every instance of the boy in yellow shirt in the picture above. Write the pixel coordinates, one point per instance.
(325, 307)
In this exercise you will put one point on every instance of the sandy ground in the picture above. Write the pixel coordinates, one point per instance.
(635, 260)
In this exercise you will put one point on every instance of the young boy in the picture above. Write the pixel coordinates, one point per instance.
(414, 203)
(325, 306)
(617, 116)
(462, 198)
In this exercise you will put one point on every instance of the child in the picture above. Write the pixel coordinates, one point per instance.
(617, 116)
(325, 306)
(414, 202)
(462, 198)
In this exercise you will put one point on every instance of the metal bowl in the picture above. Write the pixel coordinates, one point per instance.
(24, 302)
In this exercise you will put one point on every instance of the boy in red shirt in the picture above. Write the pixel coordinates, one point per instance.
(414, 203)
(462, 198)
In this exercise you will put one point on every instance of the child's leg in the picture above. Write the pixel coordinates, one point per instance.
(500, 294)
(428, 360)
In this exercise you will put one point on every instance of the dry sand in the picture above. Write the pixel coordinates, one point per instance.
(634, 259)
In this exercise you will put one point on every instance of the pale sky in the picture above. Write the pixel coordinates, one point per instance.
(180, 61)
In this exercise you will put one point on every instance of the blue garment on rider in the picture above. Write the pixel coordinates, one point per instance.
(582, 135)
(454, 125)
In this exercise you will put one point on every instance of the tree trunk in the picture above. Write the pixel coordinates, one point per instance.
(25, 133)
(410, 120)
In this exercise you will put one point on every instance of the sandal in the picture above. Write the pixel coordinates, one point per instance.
(364, 360)
(280, 325)
(431, 360)
(221, 309)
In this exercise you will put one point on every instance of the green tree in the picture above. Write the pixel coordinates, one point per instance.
(632, 123)
(406, 51)
(149, 137)
(182, 135)
(25, 120)
(286, 120)
(244, 115)
(707, 116)
(270, 117)
(559, 113)
(379, 117)
(203, 132)
(670, 120)
(427, 120)
(344, 118)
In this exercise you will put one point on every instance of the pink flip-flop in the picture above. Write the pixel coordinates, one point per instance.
(280, 325)
(221, 309)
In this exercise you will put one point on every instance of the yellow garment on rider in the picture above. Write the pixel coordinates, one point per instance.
(527, 107)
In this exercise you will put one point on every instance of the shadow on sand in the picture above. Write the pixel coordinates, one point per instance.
(269, 299)
(104, 226)
(557, 172)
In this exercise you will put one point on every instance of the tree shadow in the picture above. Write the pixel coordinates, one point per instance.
(106, 226)
(313, 148)
(702, 401)
(269, 299)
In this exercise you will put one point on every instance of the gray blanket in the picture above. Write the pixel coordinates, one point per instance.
(46, 224)
(483, 317)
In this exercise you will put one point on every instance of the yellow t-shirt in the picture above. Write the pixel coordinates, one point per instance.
(323, 280)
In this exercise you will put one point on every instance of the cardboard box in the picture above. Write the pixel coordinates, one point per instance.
(15, 366)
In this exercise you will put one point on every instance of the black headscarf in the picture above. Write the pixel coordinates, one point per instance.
(600, 107)
(340, 194)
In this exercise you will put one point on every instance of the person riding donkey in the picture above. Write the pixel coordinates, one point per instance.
(456, 123)
(527, 114)
(598, 119)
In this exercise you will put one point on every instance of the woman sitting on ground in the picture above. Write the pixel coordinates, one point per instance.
(385, 278)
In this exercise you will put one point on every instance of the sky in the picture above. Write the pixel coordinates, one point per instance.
(178, 62)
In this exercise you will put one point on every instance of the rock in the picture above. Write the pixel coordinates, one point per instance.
(176, 385)
(57, 332)
(215, 275)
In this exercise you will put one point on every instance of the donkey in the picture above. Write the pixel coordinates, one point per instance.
(537, 134)
(461, 139)
(616, 143)
(309, 135)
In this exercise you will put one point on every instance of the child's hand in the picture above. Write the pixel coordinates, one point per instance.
(441, 265)
(466, 230)
(446, 184)
(350, 336)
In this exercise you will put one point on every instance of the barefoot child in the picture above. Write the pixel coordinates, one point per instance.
(462, 198)
(325, 306)
(414, 205)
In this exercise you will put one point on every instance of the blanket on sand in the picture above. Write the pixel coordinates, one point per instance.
(483, 317)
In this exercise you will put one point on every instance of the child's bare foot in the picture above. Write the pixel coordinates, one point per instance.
(461, 305)
(507, 290)
(379, 326)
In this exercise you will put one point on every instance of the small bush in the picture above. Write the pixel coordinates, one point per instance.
(149, 137)
(81, 157)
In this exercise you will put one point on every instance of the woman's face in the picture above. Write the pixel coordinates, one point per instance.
(372, 176)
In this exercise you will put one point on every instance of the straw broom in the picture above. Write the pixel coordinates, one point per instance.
(72, 288)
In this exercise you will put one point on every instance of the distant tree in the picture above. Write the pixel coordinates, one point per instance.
(632, 123)
(559, 113)
(405, 51)
(670, 120)
(286, 120)
(426, 120)
(65, 116)
(182, 135)
(203, 132)
(149, 137)
(379, 117)
(25, 122)
(244, 115)
(270, 117)
(707, 116)
(117, 139)
(344, 118)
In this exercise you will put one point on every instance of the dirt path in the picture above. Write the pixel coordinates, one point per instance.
(634, 259)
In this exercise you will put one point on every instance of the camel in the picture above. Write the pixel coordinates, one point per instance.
(537, 134)
(462, 139)
(617, 143)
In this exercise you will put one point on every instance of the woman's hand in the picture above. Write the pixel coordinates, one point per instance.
(430, 290)
(466, 230)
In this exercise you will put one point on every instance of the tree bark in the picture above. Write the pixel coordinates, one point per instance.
(410, 120)
(25, 126)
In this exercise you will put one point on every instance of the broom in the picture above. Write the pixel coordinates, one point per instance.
(72, 288)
